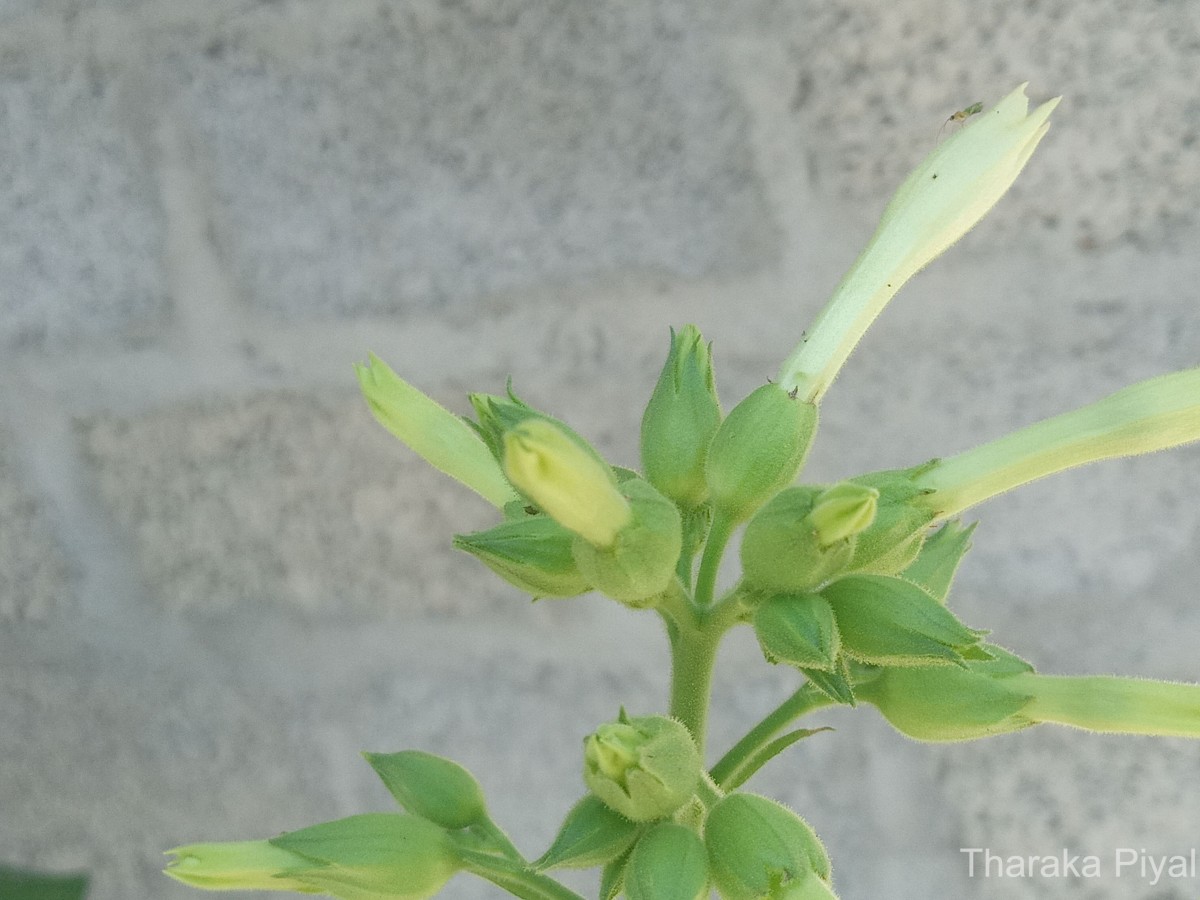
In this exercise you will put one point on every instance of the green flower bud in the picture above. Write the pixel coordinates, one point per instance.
(532, 553)
(591, 835)
(758, 449)
(431, 787)
(893, 540)
(400, 857)
(945, 703)
(645, 768)
(681, 419)
(888, 621)
(640, 562)
(668, 863)
(240, 865)
(798, 629)
(441, 438)
(567, 480)
(804, 536)
(758, 848)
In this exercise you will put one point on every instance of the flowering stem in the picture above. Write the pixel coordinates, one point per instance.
(714, 548)
(693, 655)
(805, 700)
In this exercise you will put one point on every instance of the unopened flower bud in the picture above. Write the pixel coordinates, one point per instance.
(645, 768)
(804, 536)
(681, 419)
(639, 564)
(758, 449)
(532, 553)
(892, 541)
(668, 863)
(374, 855)
(238, 865)
(842, 511)
(758, 848)
(441, 438)
(566, 479)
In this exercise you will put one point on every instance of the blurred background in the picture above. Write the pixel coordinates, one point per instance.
(220, 579)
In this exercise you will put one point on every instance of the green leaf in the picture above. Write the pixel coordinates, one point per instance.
(591, 835)
(938, 561)
(763, 755)
(798, 629)
(890, 622)
(612, 879)
(432, 787)
(836, 684)
(532, 553)
(22, 884)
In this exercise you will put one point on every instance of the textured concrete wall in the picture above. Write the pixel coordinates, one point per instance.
(219, 579)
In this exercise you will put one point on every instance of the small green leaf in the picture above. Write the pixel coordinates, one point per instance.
(612, 878)
(20, 884)
(532, 553)
(836, 684)
(888, 621)
(669, 862)
(763, 755)
(798, 629)
(591, 835)
(938, 561)
(431, 787)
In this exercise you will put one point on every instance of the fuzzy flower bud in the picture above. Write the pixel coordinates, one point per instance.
(567, 480)
(758, 450)
(645, 768)
(639, 564)
(758, 848)
(681, 419)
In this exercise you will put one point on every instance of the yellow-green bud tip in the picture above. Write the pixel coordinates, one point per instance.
(842, 512)
(566, 479)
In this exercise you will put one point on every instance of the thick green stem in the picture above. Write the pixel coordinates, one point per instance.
(693, 654)
(514, 877)
(805, 700)
(714, 548)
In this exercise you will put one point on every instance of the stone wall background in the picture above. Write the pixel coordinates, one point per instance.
(220, 580)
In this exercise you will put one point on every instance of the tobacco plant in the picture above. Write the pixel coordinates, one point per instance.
(847, 583)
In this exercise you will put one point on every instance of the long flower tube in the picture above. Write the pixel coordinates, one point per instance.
(1151, 415)
(937, 204)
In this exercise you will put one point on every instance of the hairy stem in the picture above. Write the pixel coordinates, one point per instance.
(805, 700)
(514, 877)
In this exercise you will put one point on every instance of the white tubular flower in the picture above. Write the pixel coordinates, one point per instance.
(1151, 415)
(937, 204)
